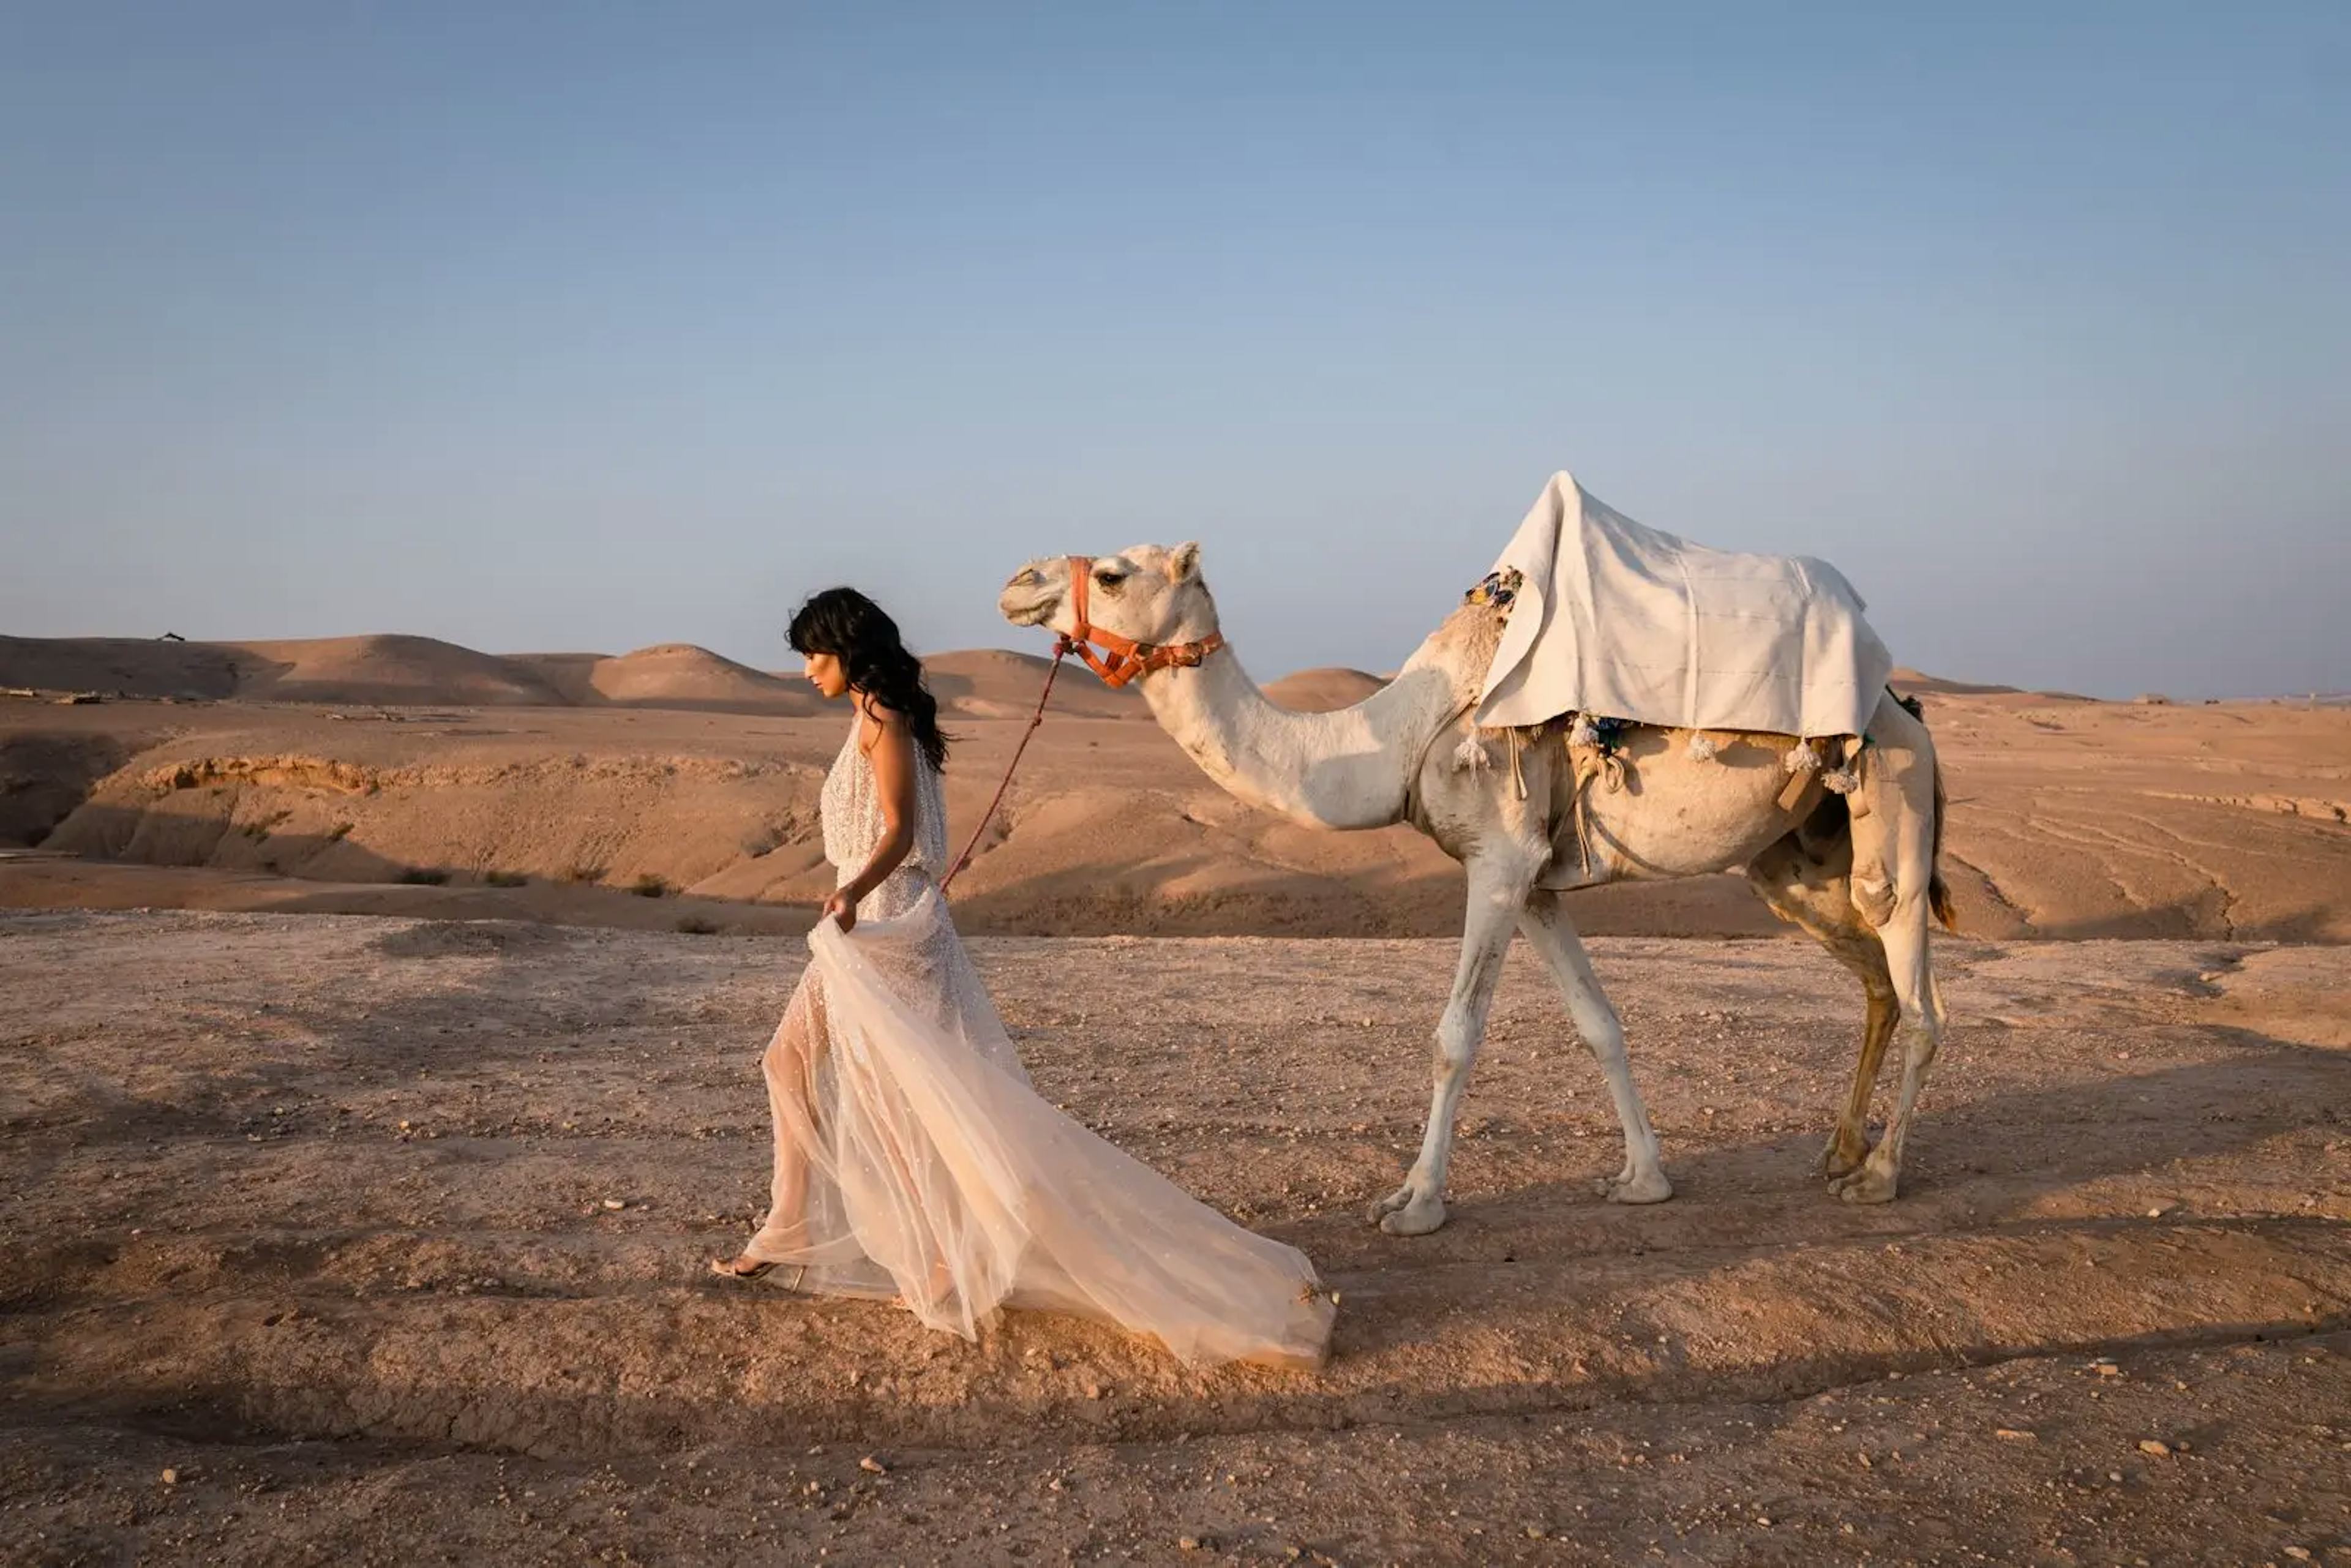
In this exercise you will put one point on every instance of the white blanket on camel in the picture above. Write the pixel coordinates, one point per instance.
(1618, 621)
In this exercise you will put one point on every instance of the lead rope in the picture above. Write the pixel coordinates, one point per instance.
(1061, 651)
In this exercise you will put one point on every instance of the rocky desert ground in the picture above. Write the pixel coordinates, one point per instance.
(380, 1023)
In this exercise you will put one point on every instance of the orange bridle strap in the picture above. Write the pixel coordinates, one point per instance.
(1122, 659)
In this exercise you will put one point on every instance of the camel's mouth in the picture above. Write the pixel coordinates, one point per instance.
(1031, 597)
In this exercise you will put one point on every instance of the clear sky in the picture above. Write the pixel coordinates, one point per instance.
(589, 326)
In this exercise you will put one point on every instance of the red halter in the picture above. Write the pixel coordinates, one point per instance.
(1122, 658)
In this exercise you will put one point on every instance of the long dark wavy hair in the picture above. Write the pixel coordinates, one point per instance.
(856, 630)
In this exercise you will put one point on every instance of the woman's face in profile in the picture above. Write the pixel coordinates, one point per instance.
(824, 673)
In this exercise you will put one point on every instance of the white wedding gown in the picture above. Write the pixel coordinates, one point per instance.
(913, 1159)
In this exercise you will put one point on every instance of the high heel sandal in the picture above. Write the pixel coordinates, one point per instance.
(732, 1269)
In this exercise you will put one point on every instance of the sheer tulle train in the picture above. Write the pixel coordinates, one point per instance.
(913, 1159)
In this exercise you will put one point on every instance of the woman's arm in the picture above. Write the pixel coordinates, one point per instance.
(890, 749)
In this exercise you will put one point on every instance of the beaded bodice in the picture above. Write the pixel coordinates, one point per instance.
(853, 824)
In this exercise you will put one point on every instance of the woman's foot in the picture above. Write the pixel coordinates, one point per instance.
(941, 1284)
(743, 1266)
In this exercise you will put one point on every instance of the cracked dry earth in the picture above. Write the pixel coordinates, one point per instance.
(332, 1238)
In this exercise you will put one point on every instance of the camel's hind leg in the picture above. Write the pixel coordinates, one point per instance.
(1896, 888)
(1803, 879)
(1497, 892)
(1920, 1030)
(1545, 922)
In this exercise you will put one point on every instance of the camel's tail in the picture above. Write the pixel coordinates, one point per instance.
(1939, 891)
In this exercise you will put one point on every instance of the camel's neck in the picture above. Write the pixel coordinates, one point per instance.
(1351, 769)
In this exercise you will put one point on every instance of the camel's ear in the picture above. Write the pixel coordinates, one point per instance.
(1184, 563)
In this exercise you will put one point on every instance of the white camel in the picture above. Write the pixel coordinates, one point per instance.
(1533, 814)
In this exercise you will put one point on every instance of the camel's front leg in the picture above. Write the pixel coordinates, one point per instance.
(1496, 895)
(1643, 1179)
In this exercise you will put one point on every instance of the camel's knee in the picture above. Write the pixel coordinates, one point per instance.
(1892, 892)
(1917, 1011)
(1454, 1049)
(1592, 1015)
(1872, 894)
(1602, 1035)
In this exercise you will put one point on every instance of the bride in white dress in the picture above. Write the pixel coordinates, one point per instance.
(912, 1157)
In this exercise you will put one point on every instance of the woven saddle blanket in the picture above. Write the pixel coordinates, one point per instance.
(1616, 620)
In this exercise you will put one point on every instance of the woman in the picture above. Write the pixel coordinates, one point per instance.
(911, 1156)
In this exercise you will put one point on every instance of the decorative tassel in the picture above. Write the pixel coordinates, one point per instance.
(1470, 756)
(1840, 781)
(1702, 747)
(1583, 734)
(1803, 758)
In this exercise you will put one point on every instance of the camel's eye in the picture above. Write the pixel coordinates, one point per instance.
(1109, 576)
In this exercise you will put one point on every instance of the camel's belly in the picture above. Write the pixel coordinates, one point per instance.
(1672, 816)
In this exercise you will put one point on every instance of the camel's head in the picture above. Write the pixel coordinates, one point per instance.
(1148, 593)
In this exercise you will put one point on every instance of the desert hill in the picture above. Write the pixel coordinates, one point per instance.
(1915, 682)
(379, 670)
(668, 675)
(424, 672)
(1324, 690)
(996, 683)
(396, 671)
(392, 671)
(572, 676)
(135, 667)
(426, 771)
(2068, 818)
(383, 670)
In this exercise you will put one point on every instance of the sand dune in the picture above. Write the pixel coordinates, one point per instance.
(572, 676)
(396, 672)
(136, 666)
(666, 676)
(383, 670)
(401, 671)
(1911, 682)
(2068, 816)
(1324, 690)
(995, 683)
(682, 676)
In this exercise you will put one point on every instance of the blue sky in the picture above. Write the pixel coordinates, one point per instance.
(587, 326)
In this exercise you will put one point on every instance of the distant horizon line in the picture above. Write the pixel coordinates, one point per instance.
(1958, 686)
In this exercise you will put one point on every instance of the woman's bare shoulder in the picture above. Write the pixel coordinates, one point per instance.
(878, 720)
